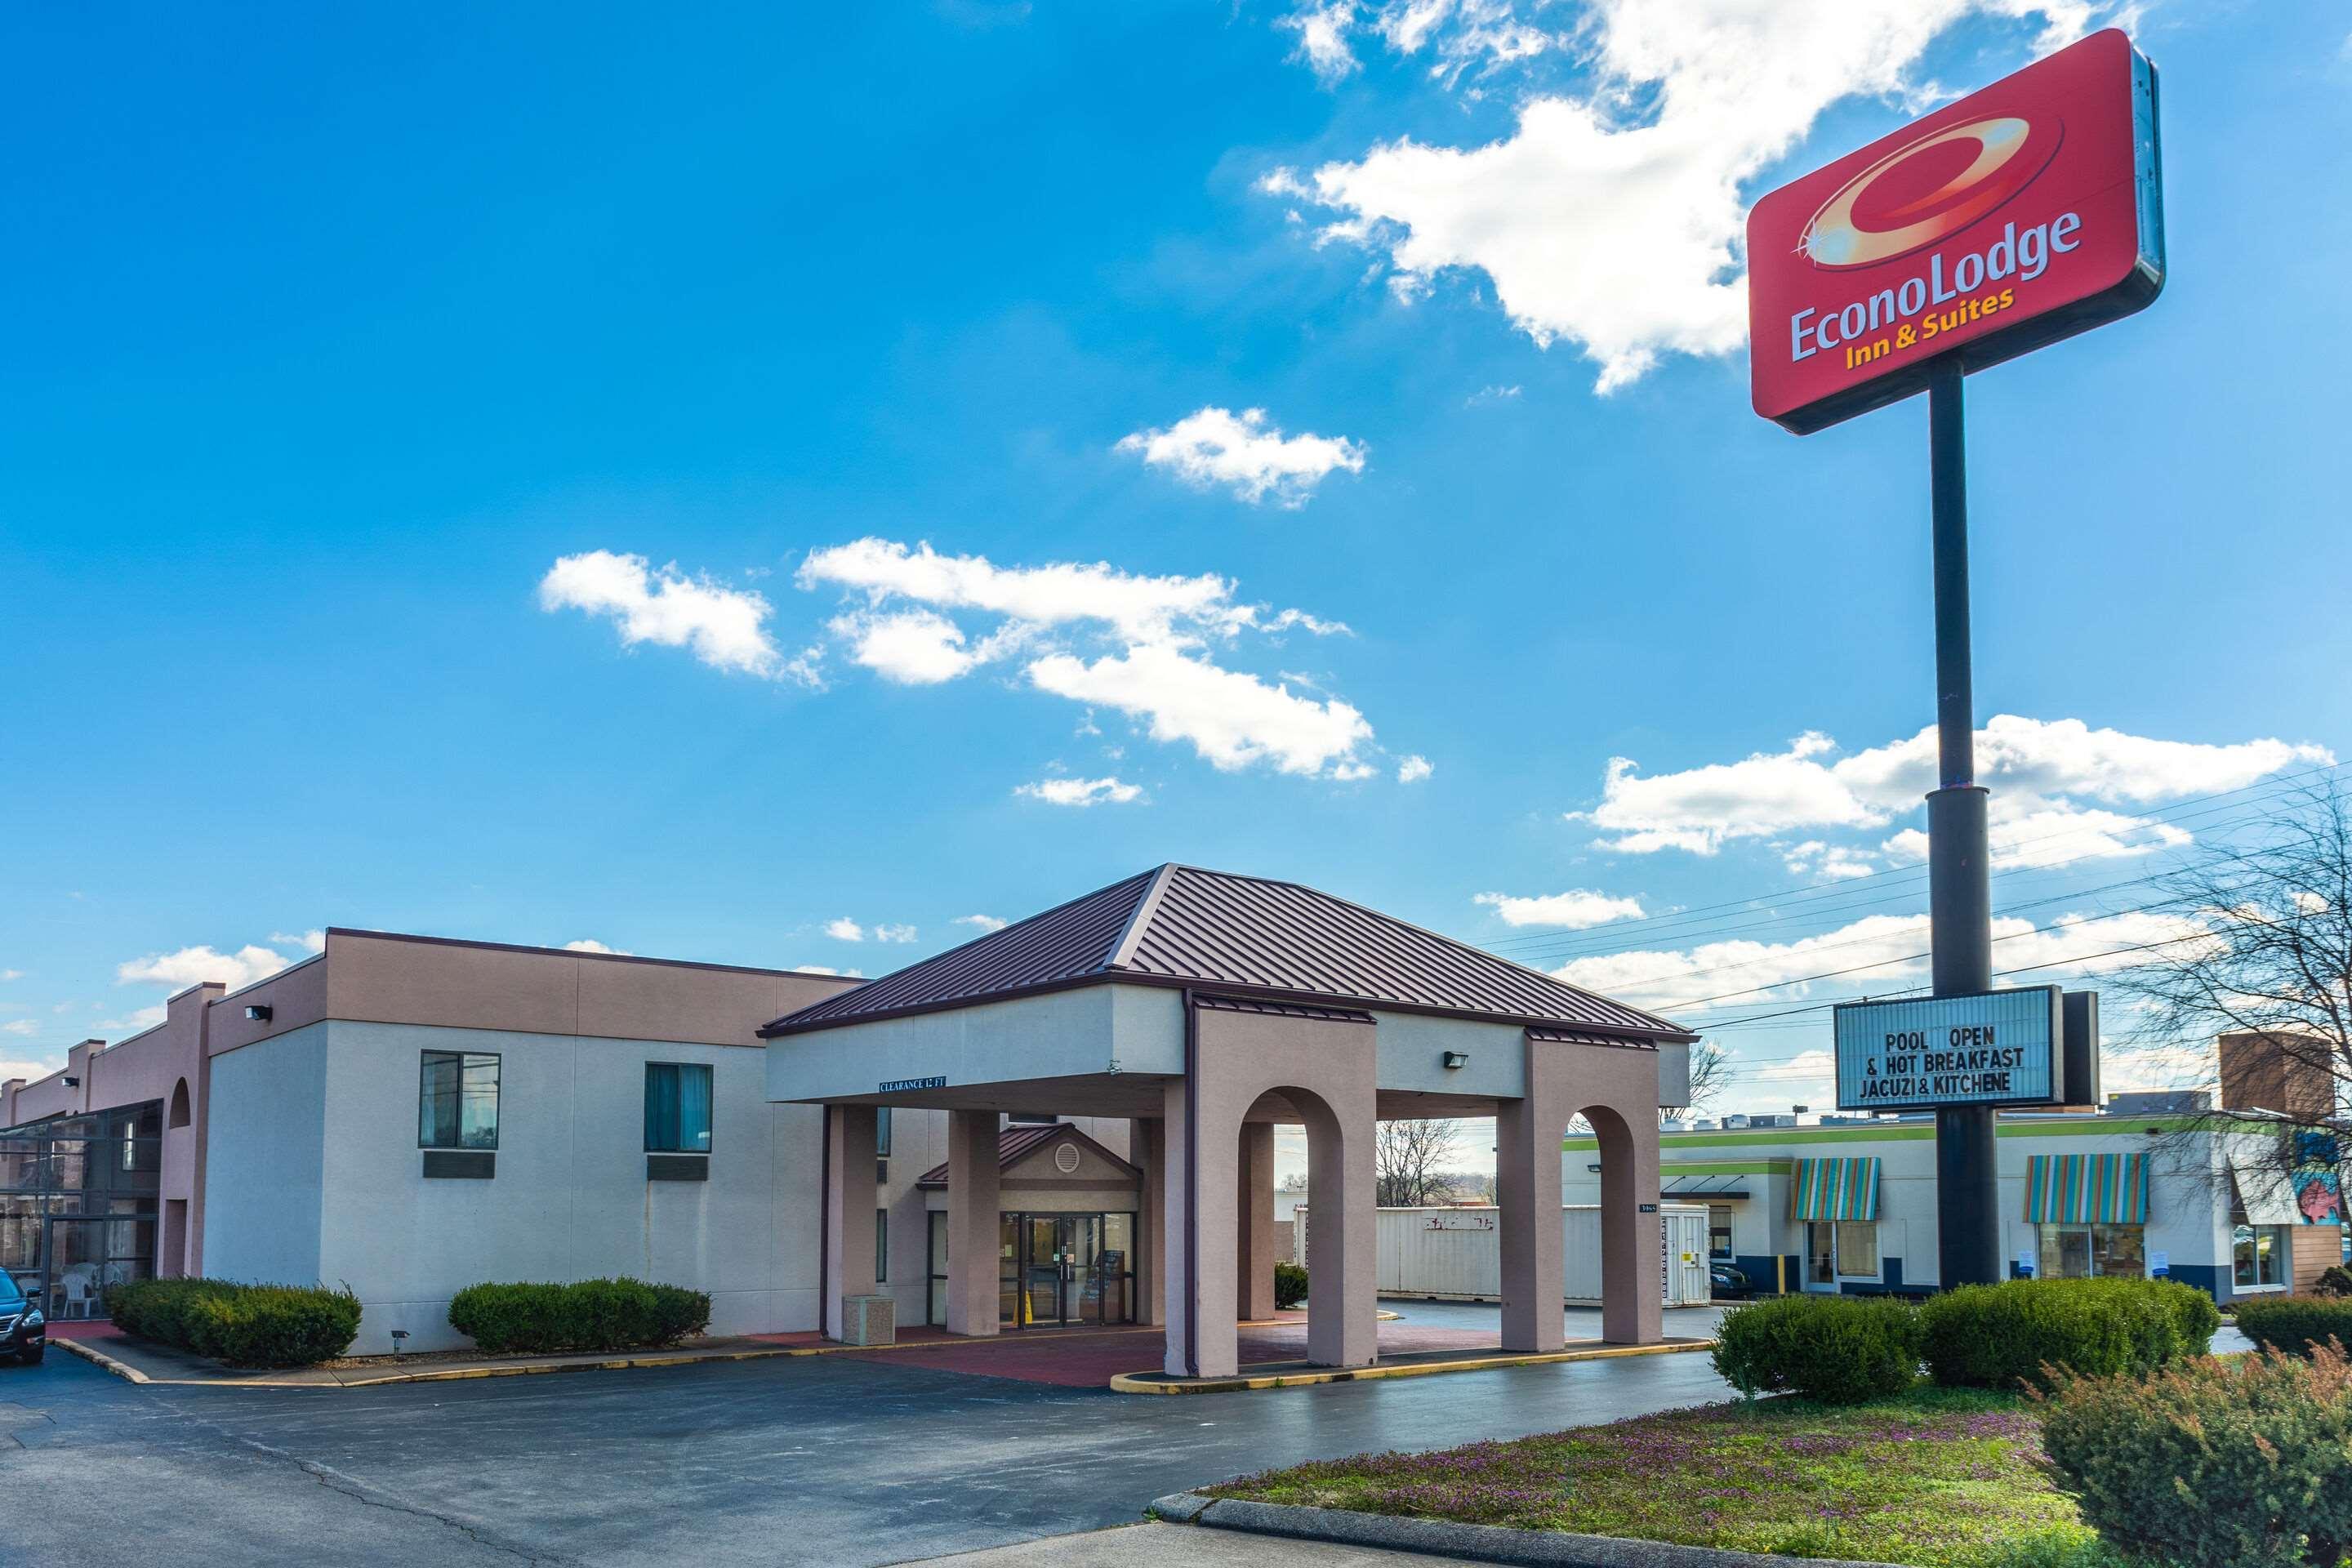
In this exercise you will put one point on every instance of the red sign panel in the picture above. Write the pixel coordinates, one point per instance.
(2021, 215)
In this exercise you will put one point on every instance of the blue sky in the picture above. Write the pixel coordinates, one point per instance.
(560, 474)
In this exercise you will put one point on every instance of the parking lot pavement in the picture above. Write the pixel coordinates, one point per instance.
(825, 1460)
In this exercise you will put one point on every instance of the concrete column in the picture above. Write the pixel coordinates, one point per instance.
(1344, 1177)
(1631, 1286)
(1527, 1193)
(1178, 1291)
(1147, 1142)
(850, 1202)
(1253, 1297)
(973, 1207)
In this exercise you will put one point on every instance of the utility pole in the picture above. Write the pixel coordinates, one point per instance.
(1959, 891)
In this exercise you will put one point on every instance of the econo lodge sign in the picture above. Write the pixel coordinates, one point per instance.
(2021, 215)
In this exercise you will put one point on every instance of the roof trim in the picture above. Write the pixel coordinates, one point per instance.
(1603, 1034)
(1137, 918)
(1281, 1009)
(571, 953)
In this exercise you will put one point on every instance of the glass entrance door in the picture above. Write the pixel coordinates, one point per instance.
(1820, 1257)
(1061, 1270)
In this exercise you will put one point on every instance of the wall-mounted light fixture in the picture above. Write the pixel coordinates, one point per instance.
(73, 1083)
(1457, 1058)
(258, 1011)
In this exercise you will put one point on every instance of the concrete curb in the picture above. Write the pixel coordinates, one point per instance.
(1152, 1382)
(121, 1369)
(1478, 1542)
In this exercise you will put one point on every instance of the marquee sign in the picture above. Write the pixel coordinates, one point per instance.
(1994, 1048)
(2018, 215)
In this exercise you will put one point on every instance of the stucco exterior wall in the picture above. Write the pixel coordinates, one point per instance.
(571, 1199)
(267, 1160)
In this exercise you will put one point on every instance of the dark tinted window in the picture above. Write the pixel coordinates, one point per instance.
(10, 1295)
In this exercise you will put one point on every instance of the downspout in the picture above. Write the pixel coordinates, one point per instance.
(1191, 1186)
(824, 1217)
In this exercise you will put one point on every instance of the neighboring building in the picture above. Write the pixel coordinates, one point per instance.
(411, 1115)
(1852, 1208)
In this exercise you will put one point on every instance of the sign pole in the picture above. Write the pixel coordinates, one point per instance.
(1959, 891)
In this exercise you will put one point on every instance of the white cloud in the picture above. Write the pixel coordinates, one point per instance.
(1246, 455)
(138, 1022)
(1232, 719)
(1098, 635)
(1876, 953)
(724, 627)
(6, 974)
(1613, 217)
(1831, 862)
(590, 944)
(894, 933)
(1080, 792)
(1576, 909)
(827, 969)
(1414, 768)
(25, 1070)
(311, 940)
(1322, 32)
(843, 929)
(2032, 766)
(195, 965)
(985, 923)
(20, 1027)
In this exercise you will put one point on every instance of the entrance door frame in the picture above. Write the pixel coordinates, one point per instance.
(1074, 1286)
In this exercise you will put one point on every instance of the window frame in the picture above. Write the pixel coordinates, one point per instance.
(466, 1061)
(882, 1246)
(2280, 1257)
(711, 1133)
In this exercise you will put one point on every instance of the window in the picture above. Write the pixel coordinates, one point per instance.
(1718, 1230)
(678, 1108)
(2258, 1254)
(1857, 1248)
(1032, 1117)
(881, 1245)
(457, 1104)
(882, 1132)
(2092, 1251)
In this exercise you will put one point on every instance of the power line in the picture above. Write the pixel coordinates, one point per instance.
(1841, 895)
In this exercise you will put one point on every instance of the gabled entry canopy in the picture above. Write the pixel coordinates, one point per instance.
(1180, 926)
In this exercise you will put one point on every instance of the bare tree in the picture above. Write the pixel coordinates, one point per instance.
(1408, 1157)
(1295, 1182)
(2264, 949)
(1710, 1072)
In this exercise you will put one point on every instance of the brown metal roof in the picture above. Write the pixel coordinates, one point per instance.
(1014, 1144)
(1179, 925)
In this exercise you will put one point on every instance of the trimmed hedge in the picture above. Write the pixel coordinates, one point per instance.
(1290, 1286)
(244, 1325)
(2294, 1324)
(2002, 1336)
(585, 1315)
(1840, 1350)
(2210, 1465)
(2333, 1280)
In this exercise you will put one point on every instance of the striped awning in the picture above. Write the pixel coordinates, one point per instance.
(1835, 1188)
(2086, 1189)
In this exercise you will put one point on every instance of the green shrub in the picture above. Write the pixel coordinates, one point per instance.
(1841, 1349)
(2209, 1464)
(1290, 1286)
(585, 1315)
(2295, 1324)
(244, 1325)
(2333, 1280)
(2002, 1336)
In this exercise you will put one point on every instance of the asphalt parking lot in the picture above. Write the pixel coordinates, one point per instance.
(820, 1460)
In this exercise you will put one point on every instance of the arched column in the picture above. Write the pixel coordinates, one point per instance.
(1254, 1224)
(1616, 1088)
(1323, 1063)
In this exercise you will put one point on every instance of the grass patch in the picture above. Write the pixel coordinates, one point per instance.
(1939, 1477)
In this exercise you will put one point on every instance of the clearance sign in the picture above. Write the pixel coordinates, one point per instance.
(2020, 214)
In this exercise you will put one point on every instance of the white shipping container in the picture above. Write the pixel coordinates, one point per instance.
(1456, 1254)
